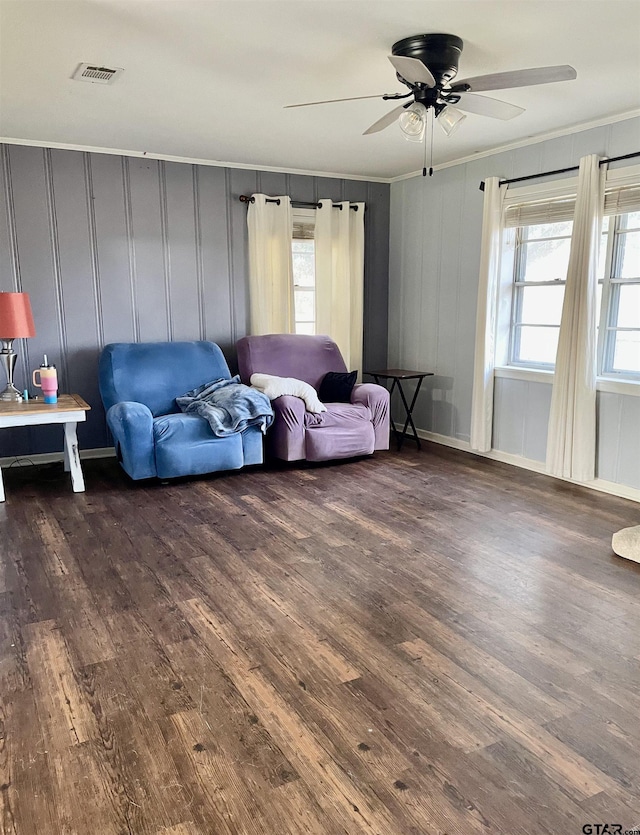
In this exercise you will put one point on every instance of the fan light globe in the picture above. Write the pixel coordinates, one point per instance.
(450, 119)
(413, 122)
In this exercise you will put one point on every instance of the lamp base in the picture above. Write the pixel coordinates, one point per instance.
(10, 394)
(8, 358)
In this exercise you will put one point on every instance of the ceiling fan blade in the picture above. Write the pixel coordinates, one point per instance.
(412, 70)
(331, 101)
(518, 78)
(484, 106)
(386, 120)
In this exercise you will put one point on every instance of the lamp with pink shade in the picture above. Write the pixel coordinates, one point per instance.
(16, 322)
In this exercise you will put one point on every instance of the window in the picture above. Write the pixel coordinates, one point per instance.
(304, 270)
(620, 328)
(540, 262)
(540, 272)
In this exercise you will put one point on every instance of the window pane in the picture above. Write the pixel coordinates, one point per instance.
(629, 246)
(602, 255)
(538, 345)
(626, 355)
(305, 306)
(303, 254)
(541, 305)
(306, 327)
(629, 306)
(545, 260)
(630, 221)
(548, 230)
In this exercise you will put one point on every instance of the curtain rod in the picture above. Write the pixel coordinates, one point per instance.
(561, 170)
(297, 204)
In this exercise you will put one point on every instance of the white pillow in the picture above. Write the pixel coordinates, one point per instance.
(277, 386)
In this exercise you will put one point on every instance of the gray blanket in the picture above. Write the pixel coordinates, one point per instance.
(229, 406)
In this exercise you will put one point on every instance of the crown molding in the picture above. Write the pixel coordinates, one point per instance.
(531, 140)
(120, 152)
(523, 143)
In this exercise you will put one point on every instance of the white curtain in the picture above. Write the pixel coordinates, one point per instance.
(484, 361)
(571, 442)
(270, 265)
(339, 245)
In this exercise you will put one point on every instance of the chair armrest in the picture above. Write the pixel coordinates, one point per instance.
(376, 398)
(131, 425)
(286, 436)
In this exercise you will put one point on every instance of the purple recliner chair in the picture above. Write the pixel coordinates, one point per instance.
(344, 430)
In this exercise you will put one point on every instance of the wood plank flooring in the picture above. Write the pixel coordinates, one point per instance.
(423, 643)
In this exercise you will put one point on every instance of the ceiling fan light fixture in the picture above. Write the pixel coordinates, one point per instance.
(450, 119)
(413, 122)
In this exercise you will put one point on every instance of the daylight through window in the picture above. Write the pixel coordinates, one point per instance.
(304, 272)
(541, 259)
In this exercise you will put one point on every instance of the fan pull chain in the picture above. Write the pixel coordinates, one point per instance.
(424, 169)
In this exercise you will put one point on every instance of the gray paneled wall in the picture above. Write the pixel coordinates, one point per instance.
(521, 416)
(118, 249)
(434, 260)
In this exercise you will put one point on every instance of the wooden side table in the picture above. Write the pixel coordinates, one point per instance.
(69, 410)
(397, 375)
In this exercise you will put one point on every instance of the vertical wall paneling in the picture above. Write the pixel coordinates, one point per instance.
(199, 259)
(302, 188)
(376, 288)
(537, 406)
(330, 188)
(629, 442)
(117, 249)
(609, 430)
(214, 209)
(110, 197)
(9, 264)
(508, 418)
(147, 232)
(434, 256)
(184, 298)
(272, 182)
(240, 181)
(18, 438)
(37, 272)
(73, 237)
(63, 370)
(93, 247)
(131, 247)
(164, 233)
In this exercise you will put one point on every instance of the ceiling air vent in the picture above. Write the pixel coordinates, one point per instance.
(97, 74)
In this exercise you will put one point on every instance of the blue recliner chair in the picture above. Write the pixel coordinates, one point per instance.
(139, 383)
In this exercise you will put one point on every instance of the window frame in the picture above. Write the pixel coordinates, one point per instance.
(619, 178)
(517, 294)
(610, 305)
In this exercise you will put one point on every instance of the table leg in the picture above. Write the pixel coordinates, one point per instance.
(409, 411)
(1, 487)
(67, 463)
(396, 434)
(72, 455)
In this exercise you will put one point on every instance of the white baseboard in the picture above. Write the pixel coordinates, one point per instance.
(623, 491)
(52, 457)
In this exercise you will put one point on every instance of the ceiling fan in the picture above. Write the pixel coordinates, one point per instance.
(427, 64)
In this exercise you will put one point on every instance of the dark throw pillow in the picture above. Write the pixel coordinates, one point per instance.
(336, 386)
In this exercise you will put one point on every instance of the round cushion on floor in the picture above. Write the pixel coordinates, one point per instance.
(626, 543)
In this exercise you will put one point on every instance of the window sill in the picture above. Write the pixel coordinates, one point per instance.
(537, 375)
(517, 372)
(613, 386)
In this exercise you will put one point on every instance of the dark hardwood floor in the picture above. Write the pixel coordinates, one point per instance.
(412, 644)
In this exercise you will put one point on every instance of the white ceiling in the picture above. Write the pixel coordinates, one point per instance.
(207, 79)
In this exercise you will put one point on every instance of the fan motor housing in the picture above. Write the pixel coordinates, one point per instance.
(439, 53)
